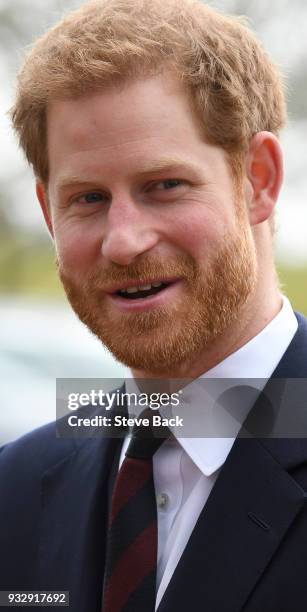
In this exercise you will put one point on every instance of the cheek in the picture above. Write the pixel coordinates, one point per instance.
(78, 245)
(197, 233)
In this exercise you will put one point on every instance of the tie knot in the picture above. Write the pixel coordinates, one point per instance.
(146, 437)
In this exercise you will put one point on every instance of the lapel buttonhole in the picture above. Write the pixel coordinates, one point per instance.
(259, 521)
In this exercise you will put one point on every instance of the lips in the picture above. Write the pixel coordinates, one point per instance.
(141, 301)
(142, 291)
(137, 285)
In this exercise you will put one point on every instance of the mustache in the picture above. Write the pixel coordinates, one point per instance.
(182, 266)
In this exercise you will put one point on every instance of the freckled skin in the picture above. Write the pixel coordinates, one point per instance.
(119, 210)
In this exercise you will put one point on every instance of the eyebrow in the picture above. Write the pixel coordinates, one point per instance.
(163, 165)
(166, 164)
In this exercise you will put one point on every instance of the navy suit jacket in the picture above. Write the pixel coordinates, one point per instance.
(248, 551)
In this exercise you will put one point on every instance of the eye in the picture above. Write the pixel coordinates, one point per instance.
(92, 197)
(167, 185)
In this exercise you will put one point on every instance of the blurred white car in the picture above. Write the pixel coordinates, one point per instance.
(40, 342)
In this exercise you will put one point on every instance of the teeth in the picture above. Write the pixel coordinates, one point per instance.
(145, 288)
(142, 288)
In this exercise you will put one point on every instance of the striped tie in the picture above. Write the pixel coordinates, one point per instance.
(130, 575)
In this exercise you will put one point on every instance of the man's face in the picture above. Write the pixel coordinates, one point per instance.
(138, 198)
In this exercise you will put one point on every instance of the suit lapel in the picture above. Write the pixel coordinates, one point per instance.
(250, 509)
(73, 525)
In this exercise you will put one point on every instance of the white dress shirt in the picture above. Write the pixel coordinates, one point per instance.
(185, 469)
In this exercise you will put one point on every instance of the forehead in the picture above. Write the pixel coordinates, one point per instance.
(124, 128)
(122, 112)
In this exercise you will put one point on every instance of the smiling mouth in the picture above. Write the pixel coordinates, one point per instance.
(143, 292)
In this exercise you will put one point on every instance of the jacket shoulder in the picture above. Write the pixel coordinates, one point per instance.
(32, 454)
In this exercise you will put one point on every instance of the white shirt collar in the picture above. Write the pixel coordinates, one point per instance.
(257, 359)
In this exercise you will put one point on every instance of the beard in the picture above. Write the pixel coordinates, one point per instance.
(157, 341)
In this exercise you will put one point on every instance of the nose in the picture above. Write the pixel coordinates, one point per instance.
(129, 233)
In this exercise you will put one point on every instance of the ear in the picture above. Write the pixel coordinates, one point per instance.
(45, 206)
(265, 175)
